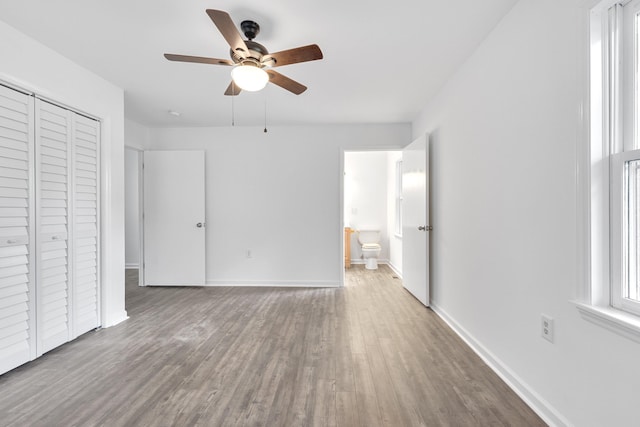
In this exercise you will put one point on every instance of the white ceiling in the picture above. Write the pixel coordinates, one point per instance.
(383, 60)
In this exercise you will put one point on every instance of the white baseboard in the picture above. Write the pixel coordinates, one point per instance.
(361, 261)
(540, 406)
(115, 318)
(261, 283)
(276, 284)
(395, 270)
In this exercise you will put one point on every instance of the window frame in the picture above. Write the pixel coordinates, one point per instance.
(600, 171)
(619, 231)
(623, 103)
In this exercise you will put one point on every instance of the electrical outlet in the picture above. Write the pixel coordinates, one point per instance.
(546, 327)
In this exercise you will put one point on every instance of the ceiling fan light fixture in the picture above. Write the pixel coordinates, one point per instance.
(251, 58)
(249, 77)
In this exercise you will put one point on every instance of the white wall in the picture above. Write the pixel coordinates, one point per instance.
(136, 136)
(131, 209)
(395, 242)
(365, 202)
(503, 162)
(32, 66)
(277, 194)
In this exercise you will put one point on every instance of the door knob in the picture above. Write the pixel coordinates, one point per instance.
(422, 228)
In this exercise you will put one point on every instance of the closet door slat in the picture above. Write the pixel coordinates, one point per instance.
(86, 313)
(53, 158)
(17, 344)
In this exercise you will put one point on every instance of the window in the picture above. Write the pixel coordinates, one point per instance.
(398, 199)
(613, 296)
(625, 155)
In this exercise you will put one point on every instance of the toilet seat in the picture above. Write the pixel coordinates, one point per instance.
(369, 239)
(371, 246)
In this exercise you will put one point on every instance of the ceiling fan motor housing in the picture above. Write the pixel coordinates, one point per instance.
(256, 52)
(250, 29)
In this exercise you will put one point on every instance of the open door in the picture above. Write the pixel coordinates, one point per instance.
(415, 219)
(174, 218)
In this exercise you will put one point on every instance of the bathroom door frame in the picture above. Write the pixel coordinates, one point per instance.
(343, 150)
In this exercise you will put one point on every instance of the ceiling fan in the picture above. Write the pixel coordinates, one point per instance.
(252, 62)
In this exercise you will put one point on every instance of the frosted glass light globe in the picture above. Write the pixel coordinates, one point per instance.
(249, 77)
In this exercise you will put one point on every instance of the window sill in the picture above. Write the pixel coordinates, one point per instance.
(617, 321)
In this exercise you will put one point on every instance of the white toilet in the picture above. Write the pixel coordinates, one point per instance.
(370, 243)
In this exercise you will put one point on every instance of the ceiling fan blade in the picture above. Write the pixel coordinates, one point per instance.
(198, 59)
(285, 82)
(232, 89)
(229, 31)
(299, 54)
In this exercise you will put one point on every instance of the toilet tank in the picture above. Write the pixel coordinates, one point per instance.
(368, 235)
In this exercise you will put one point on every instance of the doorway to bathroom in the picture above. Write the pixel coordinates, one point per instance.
(373, 203)
(132, 210)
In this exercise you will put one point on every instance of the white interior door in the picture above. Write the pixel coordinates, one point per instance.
(17, 289)
(174, 218)
(415, 219)
(86, 239)
(53, 160)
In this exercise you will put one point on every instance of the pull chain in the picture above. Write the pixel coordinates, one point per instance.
(265, 111)
(233, 112)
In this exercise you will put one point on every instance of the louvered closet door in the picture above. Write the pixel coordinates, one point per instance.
(85, 224)
(17, 344)
(53, 135)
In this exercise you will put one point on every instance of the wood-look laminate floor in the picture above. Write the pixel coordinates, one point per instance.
(365, 355)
